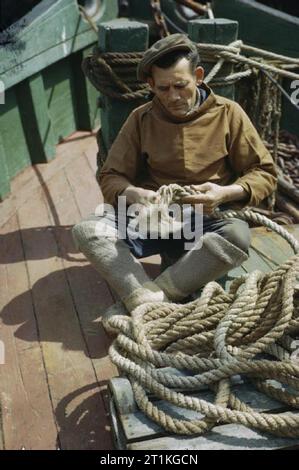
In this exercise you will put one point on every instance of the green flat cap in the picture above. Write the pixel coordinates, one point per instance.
(173, 42)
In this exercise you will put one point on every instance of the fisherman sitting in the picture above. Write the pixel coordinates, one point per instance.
(189, 136)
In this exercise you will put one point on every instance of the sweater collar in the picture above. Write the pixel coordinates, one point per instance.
(203, 106)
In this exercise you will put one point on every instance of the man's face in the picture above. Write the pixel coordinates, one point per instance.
(176, 86)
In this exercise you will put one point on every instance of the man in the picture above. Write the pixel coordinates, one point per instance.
(185, 135)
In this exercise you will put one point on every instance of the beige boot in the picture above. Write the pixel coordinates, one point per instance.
(112, 258)
(211, 258)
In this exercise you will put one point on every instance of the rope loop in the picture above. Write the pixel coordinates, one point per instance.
(213, 340)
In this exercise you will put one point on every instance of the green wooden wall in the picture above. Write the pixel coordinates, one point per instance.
(47, 96)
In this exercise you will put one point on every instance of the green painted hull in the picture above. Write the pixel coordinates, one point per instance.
(46, 95)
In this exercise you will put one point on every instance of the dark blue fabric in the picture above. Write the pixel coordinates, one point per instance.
(234, 230)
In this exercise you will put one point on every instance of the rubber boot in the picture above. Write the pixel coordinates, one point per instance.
(210, 258)
(112, 258)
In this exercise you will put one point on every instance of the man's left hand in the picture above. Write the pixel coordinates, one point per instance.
(212, 195)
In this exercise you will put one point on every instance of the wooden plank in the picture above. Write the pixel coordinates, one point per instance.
(226, 437)
(120, 35)
(268, 249)
(280, 30)
(91, 154)
(271, 249)
(137, 426)
(23, 185)
(256, 262)
(59, 88)
(215, 31)
(90, 293)
(83, 186)
(52, 30)
(73, 385)
(26, 409)
(12, 133)
(86, 96)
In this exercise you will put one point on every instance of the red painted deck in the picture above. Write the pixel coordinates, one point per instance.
(53, 381)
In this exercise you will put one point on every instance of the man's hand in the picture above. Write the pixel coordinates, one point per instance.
(137, 195)
(212, 195)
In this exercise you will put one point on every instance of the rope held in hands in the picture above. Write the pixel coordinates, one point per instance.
(214, 338)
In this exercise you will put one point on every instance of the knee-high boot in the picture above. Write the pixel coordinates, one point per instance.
(210, 258)
(112, 258)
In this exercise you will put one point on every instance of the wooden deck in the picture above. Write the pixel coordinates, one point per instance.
(54, 379)
(53, 390)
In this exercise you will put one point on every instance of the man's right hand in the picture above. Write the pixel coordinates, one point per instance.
(137, 195)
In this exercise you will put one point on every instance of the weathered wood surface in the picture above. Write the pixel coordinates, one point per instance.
(227, 437)
(42, 110)
(4, 178)
(12, 131)
(215, 31)
(26, 408)
(134, 430)
(119, 35)
(54, 380)
(267, 251)
(46, 96)
(51, 31)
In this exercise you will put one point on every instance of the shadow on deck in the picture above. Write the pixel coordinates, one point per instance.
(54, 378)
(56, 365)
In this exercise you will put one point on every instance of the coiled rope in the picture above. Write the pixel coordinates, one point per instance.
(114, 74)
(212, 339)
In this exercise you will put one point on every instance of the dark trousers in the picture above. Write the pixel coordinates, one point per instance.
(234, 230)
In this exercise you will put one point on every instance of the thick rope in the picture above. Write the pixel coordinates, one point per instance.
(114, 74)
(232, 54)
(214, 338)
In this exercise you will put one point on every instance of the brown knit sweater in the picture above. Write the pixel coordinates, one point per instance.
(216, 143)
